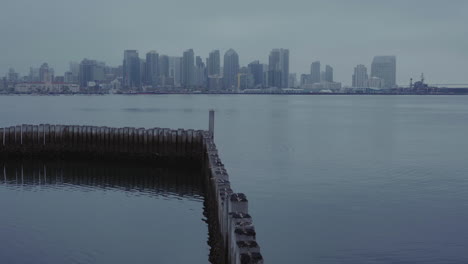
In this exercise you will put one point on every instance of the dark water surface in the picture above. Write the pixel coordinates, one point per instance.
(85, 212)
(330, 179)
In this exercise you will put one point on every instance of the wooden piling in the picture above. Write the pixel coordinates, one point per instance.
(18, 135)
(79, 138)
(23, 135)
(41, 135)
(65, 138)
(230, 210)
(126, 138)
(157, 142)
(173, 145)
(189, 146)
(35, 137)
(141, 141)
(2, 138)
(30, 136)
(211, 123)
(58, 137)
(46, 134)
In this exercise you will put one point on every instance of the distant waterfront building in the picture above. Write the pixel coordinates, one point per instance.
(256, 69)
(68, 77)
(3, 83)
(131, 69)
(214, 63)
(59, 79)
(315, 72)
(34, 75)
(384, 67)
(215, 83)
(292, 82)
(244, 79)
(46, 74)
(360, 76)
(305, 79)
(230, 69)
(143, 72)
(74, 68)
(265, 75)
(90, 71)
(50, 87)
(152, 68)
(200, 72)
(164, 70)
(85, 73)
(375, 82)
(12, 75)
(322, 86)
(175, 69)
(278, 68)
(188, 67)
(328, 73)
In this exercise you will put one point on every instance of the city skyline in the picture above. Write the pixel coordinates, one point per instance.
(316, 76)
(154, 69)
(352, 37)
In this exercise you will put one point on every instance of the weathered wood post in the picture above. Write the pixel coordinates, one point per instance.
(2, 133)
(211, 123)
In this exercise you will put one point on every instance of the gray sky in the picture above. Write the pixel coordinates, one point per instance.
(426, 35)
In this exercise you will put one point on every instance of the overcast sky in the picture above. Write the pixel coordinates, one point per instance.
(426, 35)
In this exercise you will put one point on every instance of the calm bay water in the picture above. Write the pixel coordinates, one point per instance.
(86, 212)
(330, 179)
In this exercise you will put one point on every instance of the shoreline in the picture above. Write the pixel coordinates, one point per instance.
(205, 93)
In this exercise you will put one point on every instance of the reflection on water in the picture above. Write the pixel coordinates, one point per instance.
(130, 177)
(92, 212)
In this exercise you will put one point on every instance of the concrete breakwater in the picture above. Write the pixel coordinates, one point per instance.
(228, 210)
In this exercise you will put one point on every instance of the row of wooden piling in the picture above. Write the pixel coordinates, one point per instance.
(47, 138)
(235, 223)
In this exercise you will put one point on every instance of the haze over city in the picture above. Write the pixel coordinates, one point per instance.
(235, 132)
(426, 36)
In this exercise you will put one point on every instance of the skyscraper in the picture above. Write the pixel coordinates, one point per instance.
(46, 74)
(214, 63)
(90, 71)
(188, 68)
(265, 75)
(175, 69)
(315, 72)
(200, 72)
(152, 68)
(131, 69)
(278, 68)
(143, 80)
(360, 76)
(328, 73)
(75, 70)
(384, 67)
(34, 75)
(244, 79)
(86, 72)
(230, 69)
(13, 76)
(256, 69)
(163, 67)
